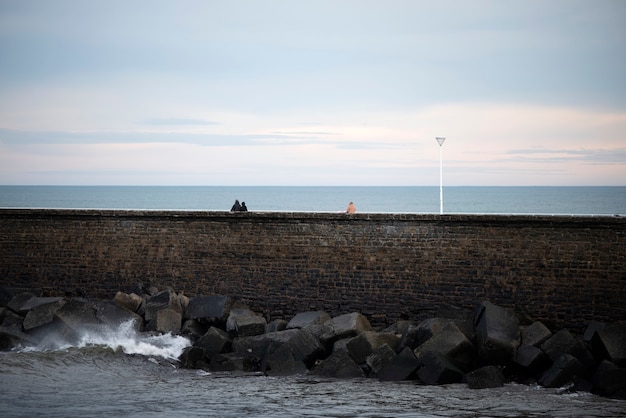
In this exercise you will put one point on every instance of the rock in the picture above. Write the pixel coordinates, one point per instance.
(193, 330)
(130, 302)
(11, 338)
(194, 357)
(497, 333)
(215, 341)
(379, 359)
(430, 327)
(10, 319)
(485, 377)
(114, 315)
(437, 369)
(610, 343)
(167, 320)
(608, 379)
(401, 367)
(591, 329)
(165, 299)
(532, 360)
(451, 343)
(282, 362)
(361, 346)
(76, 313)
(560, 343)
(276, 325)
(535, 334)
(41, 314)
(209, 308)
(35, 302)
(18, 301)
(562, 371)
(339, 365)
(243, 322)
(306, 319)
(343, 326)
(305, 347)
(410, 337)
(258, 346)
(229, 362)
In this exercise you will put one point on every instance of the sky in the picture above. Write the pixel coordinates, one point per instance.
(302, 93)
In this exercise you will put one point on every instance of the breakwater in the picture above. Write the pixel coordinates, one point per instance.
(563, 271)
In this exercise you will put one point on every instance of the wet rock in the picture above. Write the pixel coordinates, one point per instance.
(35, 302)
(114, 315)
(497, 333)
(563, 370)
(42, 314)
(193, 330)
(165, 299)
(194, 357)
(591, 329)
(532, 360)
(229, 362)
(243, 322)
(276, 325)
(410, 336)
(306, 319)
(339, 365)
(76, 313)
(437, 369)
(167, 320)
(283, 362)
(379, 359)
(562, 342)
(18, 301)
(402, 367)
(130, 302)
(485, 377)
(451, 343)
(11, 338)
(305, 347)
(364, 344)
(609, 379)
(10, 319)
(209, 308)
(258, 346)
(535, 334)
(215, 341)
(610, 343)
(343, 326)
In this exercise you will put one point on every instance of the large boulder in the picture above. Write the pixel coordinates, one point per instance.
(215, 341)
(438, 369)
(243, 322)
(17, 301)
(379, 359)
(364, 344)
(532, 360)
(76, 314)
(194, 358)
(259, 346)
(11, 338)
(165, 299)
(497, 333)
(167, 320)
(306, 319)
(130, 302)
(451, 343)
(339, 365)
(42, 314)
(562, 342)
(402, 367)
(610, 343)
(342, 326)
(535, 334)
(609, 379)
(485, 377)
(114, 316)
(283, 362)
(212, 308)
(562, 371)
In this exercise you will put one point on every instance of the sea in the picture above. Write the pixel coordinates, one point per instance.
(470, 200)
(124, 373)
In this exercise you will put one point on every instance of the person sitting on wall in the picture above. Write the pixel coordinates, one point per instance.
(351, 208)
(236, 207)
(243, 207)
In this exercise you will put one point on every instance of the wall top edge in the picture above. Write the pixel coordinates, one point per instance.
(208, 215)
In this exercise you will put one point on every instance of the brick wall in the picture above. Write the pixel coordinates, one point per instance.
(565, 271)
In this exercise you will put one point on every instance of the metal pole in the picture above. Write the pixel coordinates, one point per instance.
(440, 140)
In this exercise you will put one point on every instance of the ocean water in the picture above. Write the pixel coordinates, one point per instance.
(127, 374)
(470, 200)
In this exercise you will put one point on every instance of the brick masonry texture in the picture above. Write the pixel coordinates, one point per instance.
(565, 271)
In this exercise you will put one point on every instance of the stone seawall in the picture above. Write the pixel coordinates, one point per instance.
(564, 271)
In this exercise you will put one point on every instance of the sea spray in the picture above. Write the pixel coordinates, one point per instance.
(129, 341)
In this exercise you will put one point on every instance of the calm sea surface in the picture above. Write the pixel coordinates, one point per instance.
(478, 200)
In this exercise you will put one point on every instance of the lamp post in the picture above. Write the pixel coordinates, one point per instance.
(440, 140)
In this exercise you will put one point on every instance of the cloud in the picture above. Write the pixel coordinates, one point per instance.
(178, 122)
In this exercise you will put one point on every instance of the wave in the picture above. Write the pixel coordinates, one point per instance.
(124, 338)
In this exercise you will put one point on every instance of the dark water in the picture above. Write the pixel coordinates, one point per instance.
(478, 200)
(127, 374)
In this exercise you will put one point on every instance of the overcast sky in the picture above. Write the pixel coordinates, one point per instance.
(317, 92)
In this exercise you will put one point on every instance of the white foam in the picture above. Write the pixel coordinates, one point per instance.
(127, 339)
